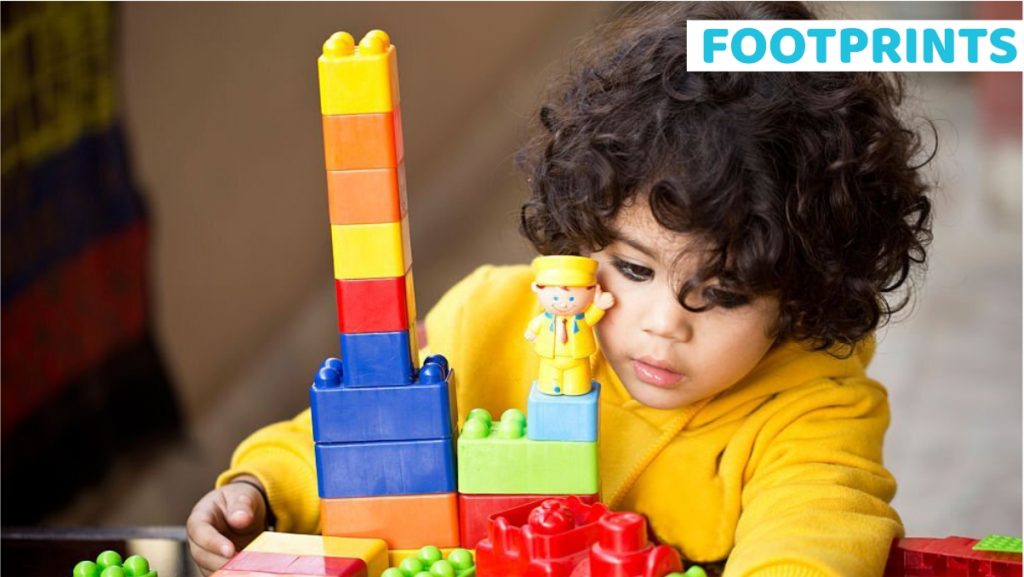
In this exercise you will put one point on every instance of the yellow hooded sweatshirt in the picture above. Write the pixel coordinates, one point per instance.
(782, 473)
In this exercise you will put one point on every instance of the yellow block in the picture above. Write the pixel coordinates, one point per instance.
(396, 556)
(358, 79)
(371, 250)
(373, 551)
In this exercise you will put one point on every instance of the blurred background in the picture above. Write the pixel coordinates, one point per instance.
(167, 279)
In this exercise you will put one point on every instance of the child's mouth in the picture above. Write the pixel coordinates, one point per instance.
(655, 375)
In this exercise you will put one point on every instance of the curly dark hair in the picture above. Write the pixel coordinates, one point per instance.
(805, 186)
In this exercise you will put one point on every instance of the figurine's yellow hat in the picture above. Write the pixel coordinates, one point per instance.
(565, 271)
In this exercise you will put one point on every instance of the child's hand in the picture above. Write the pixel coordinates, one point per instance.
(530, 336)
(603, 300)
(224, 521)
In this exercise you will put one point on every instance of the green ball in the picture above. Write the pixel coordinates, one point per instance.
(86, 569)
(475, 429)
(481, 414)
(695, 571)
(411, 566)
(136, 566)
(113, 571)
(461, 559)
(442, 569)
(515, 416)
(510, 429)
(429, 555)
(108, 559)
(423, 574)
(393, 572)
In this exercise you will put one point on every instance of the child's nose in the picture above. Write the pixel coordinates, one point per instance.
(667, 319)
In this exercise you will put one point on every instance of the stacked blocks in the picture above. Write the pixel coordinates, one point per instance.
(506, 463)
(383, 425)
(308, 555)
(363, 154)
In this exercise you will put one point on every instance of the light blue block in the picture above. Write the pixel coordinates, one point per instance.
(563, 417)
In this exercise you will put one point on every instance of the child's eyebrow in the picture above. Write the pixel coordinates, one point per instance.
(637, 245)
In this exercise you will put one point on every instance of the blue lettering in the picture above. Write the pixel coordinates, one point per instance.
(710, 44)
(851, 40)
(820, 36)
(886, 40)
(1009, 50)
(737, 45)
(912, 45)
(972, 35)
(932, 42)
(798, 46)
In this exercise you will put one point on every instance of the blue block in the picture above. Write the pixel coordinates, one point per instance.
(563, 417)
(385, 468)
(376, 359)
(422, 410)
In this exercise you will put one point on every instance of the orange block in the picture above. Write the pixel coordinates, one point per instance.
(358, 141)
(403, 521)
(370, 196)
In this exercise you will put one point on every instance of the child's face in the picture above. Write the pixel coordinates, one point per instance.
(665, 355)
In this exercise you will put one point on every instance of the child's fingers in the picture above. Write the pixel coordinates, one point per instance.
(244, 507)
(208, 561)
(203, 535)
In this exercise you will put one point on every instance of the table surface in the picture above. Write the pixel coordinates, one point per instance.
(54, 551)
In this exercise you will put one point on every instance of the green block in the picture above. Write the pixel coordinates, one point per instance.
(1000, 544)
(498, 458)
(460, 563)
(110, 564)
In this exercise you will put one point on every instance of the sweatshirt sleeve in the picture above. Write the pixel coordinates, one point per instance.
(281, 457)
(817, 500)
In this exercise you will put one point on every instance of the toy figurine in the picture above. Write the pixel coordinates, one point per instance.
(563, 335)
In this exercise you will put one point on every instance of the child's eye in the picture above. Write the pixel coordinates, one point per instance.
(633, 272)
(572, 299)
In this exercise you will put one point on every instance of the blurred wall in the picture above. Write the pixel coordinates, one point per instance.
(223, 108)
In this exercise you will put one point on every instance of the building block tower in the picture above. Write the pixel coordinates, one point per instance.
(383, 425)
(507, 463)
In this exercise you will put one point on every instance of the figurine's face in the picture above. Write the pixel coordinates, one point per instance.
(665, 355)
(564, 301)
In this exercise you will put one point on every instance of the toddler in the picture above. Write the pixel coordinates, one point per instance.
(755, 229)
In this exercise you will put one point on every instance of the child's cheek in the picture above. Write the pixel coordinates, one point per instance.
(609, 330)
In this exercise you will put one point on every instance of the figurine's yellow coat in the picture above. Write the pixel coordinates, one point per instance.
(579, 342)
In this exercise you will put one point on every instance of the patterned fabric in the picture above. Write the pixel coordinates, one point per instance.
(79, 366)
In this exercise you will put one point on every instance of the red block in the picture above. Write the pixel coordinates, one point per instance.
(623, 550)
(541, 539)
(949, 557)
(379, 305)
(475, 512)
